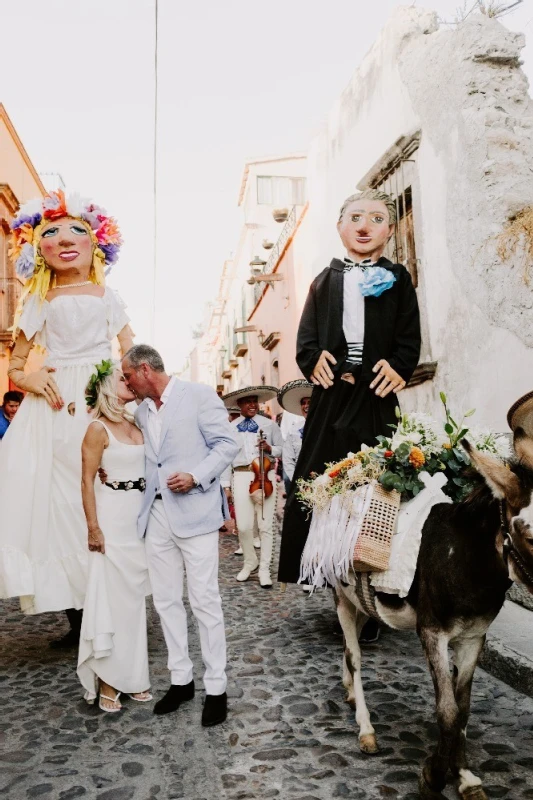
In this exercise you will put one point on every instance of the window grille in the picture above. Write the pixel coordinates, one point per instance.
(397, 178)
(273, 190)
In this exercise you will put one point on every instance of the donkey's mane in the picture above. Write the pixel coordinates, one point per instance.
(481, 499)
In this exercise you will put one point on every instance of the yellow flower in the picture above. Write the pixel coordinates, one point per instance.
(417, 458)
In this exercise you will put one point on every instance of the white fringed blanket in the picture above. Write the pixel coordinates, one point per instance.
(333, 533)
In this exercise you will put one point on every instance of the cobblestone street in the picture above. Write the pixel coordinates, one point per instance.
(288, 735)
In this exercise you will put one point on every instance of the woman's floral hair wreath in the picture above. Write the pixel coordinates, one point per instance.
(103, 370)
(54, 206)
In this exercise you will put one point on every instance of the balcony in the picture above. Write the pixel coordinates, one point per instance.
(423, 372)
(277, 251)
(240, 345)
(271, 340)
(10, 291)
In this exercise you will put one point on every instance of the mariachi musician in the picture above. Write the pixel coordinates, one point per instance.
(251, 480)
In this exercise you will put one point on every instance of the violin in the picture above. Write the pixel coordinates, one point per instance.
(261, 486)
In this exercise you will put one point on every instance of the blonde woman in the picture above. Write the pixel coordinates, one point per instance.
(113, 653)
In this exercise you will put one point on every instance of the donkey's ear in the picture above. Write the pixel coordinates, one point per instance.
(501, 481)
(523, 447)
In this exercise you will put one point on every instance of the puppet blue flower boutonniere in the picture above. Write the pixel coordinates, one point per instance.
(376, 280)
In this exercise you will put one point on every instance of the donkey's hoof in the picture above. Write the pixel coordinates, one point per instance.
(368, 744)
(426, 792)
(473, 793)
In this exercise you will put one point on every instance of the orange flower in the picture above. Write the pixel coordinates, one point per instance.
(336, 469)
(447, 446)
(417, 458)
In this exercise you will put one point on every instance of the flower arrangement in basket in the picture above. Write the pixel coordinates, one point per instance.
(380, 477)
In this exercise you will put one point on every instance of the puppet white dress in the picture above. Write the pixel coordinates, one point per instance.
(43, 533)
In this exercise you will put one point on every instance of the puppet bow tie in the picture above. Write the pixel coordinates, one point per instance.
(248, 425)
(349, 264)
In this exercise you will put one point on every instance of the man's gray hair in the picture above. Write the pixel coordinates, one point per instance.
(372, 194)
(144, 354)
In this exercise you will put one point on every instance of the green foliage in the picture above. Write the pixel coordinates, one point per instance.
(103, 369)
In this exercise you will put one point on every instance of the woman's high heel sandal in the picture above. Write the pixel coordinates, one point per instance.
(111, 700)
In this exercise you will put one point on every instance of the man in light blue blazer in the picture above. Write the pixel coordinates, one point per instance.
(188, 443)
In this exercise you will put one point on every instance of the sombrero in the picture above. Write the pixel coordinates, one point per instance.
(520, 415)
(263, 393)
(291, 394)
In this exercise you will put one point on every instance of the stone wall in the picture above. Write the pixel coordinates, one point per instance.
(464, 90)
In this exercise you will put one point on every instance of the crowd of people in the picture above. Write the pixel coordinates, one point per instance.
(118, 476)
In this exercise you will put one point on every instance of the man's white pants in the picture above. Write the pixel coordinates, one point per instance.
(168, 557)
(246, 512)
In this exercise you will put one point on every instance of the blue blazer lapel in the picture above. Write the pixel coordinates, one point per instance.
(176, 396)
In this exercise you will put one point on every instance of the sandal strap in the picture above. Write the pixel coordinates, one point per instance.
(111, 699)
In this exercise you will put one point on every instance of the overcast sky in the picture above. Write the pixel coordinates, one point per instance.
(236, 79)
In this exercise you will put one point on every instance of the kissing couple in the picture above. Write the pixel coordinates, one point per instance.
(155, 513)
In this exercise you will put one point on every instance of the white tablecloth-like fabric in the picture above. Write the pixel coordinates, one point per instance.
(406, 541)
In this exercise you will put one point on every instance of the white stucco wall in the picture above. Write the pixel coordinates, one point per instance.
(464, 89)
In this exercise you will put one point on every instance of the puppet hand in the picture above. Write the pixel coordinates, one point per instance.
(322, 374)
(43, 383)
(387, 380)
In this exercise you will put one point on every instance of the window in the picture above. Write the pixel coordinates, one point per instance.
(10, 288)
(281, 191)
(274, 373)
(395, 175)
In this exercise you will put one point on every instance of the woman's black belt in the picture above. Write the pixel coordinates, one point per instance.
(125, 486)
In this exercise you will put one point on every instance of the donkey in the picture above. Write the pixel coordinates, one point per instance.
(470, 554)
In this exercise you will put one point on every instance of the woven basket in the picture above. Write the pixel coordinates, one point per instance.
(373, 546)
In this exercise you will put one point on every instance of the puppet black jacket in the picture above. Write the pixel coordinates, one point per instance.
(392, 324)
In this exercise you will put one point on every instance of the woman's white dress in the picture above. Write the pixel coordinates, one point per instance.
(43, 534)
(113, 640)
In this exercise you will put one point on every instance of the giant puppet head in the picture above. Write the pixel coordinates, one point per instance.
(34, 220)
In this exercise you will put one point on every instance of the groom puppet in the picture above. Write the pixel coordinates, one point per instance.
(188, 443)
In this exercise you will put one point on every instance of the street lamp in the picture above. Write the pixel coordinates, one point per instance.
(257, 264)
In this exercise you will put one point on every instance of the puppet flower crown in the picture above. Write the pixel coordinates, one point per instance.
(53, 206)
(103, 370)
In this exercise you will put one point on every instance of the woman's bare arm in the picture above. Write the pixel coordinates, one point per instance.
(94, 444)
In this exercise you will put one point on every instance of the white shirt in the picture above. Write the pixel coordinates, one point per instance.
(155, 415)
(248, 441)
(353, 314)
(288, 420)
(292, 447)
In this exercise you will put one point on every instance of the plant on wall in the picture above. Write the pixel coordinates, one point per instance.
(495, 9)
(516, 236)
